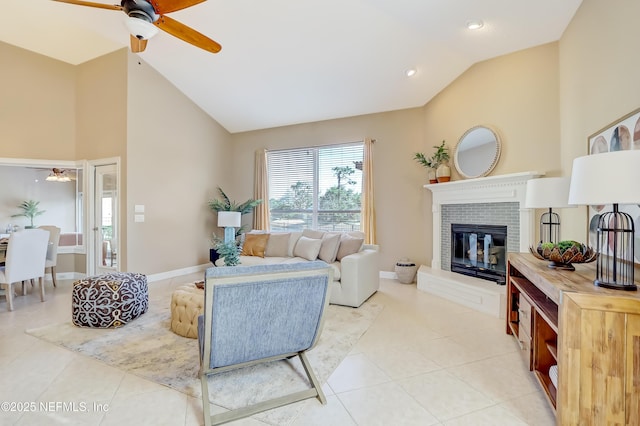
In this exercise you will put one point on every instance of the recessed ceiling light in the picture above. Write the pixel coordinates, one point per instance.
(410, 72)
(475, 25)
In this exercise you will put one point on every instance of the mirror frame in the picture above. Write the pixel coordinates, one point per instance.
(496, 157)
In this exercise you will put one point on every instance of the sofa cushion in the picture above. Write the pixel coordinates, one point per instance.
(307, 248)
(312, 233)
(349, 245)
(329, 248)
(293, 240)
(336, 266)
(255, 244)
(278, 245)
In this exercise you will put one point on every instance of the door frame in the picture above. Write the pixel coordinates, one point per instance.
(92, 255)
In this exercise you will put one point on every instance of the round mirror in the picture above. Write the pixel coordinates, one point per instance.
(477, 152)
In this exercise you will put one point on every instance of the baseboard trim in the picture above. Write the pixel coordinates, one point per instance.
(65, 276)
(178, 272)
(388, 275)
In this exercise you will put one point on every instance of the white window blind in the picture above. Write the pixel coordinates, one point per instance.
(318, 188)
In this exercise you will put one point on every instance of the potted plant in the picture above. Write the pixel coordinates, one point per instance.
(429, 164)
(441, 157)
(29, 210)
(225, 204)
(230, 252)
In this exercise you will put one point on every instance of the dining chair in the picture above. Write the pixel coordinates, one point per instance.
(52, 250)
(26, 257)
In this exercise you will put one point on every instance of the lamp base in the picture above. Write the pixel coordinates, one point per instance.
(229, 234)
(628, 287)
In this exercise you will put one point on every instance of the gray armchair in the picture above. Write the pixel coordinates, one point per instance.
(256, 314)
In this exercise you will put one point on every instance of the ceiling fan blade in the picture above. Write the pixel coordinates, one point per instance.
(92, 4)
(165, 6)
(187, 34)
(137, 44)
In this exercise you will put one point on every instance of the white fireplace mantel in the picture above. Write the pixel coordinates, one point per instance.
(482, 295)
(493, 189)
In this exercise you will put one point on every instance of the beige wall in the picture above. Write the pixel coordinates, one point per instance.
(176, 157)
(37, 106)
(599, 75)
(101, 123)
(516, 95)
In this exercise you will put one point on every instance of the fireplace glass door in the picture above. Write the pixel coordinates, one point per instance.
(479, 251)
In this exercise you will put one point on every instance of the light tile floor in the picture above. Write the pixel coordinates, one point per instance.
(424, 361)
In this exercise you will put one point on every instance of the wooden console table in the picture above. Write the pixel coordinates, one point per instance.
(591, 333)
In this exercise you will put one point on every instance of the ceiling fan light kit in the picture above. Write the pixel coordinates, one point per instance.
(58, 175)
(142, 30)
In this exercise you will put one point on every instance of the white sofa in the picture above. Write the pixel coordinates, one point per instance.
(355, 275)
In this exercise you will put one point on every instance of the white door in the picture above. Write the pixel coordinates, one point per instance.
(105, 219)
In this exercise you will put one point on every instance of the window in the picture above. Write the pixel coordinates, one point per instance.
(318, 188)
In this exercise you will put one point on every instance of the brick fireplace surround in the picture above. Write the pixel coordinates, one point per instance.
(482, 295)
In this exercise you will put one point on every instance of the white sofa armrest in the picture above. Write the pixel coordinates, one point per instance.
(360, 277)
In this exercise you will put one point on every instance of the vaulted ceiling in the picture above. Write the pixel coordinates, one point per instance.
(288, 62)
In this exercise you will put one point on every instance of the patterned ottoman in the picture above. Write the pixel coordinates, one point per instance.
(187, 303)
(109, 300)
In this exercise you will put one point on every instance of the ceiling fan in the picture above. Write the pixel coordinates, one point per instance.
(57, 174)
(145, 17)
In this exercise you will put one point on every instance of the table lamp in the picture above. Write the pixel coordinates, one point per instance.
(229, 221)
(548, 193)
(610, 178)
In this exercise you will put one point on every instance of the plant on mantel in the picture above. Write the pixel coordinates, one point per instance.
(429, 164)
(437, 165)
(441, 157)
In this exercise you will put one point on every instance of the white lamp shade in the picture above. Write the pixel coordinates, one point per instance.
(139, 28)
(545, 193)
(229, 219)
(608, 178)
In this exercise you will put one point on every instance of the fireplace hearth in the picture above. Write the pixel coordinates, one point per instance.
(479, 251)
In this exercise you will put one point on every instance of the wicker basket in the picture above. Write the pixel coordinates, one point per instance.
(406, 272)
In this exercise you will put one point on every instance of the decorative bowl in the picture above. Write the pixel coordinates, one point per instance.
(564, 253)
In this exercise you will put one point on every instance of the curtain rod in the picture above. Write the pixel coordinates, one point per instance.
(319, 146)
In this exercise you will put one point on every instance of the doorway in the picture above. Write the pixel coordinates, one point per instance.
(105, 217)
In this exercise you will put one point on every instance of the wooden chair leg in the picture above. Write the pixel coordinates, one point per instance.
(41, 281)
(53, 276)
(8, 293)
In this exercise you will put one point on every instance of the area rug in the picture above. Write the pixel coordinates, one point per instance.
(147, 348)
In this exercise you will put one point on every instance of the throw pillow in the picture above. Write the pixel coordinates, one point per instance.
(254, 245)
(310, 233)
(307, 248)
(329, 248)
(349, 245)
(278, 245)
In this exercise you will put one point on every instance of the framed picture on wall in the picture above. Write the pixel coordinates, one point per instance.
(621, 135)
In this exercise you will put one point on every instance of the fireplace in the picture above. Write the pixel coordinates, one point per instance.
(493, 200)
(479, 251)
